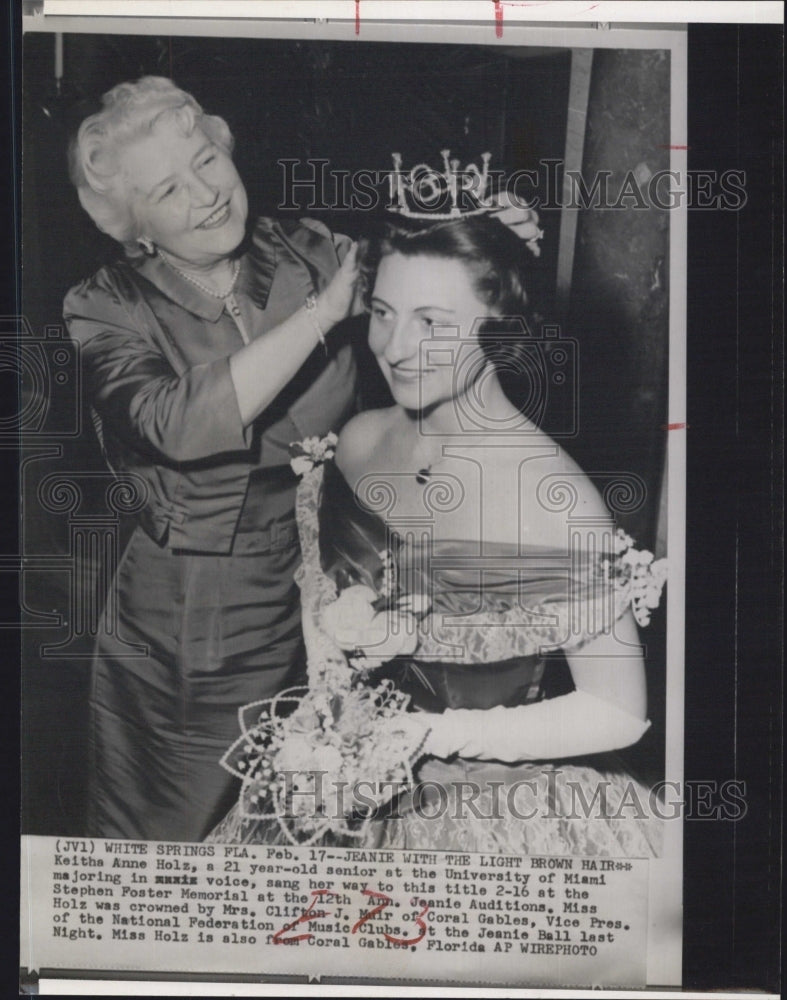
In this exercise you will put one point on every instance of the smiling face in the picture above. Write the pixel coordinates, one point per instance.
(186, 194)
(413, 297)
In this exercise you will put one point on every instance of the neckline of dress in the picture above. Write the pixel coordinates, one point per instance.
(184, 293)
(489, 549)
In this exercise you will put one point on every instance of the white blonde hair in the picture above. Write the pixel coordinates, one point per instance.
(130, 110)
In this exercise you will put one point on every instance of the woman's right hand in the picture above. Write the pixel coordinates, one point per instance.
(335, 301)
(262, 368)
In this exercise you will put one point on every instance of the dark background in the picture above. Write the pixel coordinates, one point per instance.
(733, 680)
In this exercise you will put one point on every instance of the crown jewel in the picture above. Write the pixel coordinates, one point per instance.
(426, 193)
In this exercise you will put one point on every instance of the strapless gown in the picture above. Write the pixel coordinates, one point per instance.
(497, 623)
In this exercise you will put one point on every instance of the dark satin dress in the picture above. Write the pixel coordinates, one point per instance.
(218, 629)
(496, 621)
(205, 589)
(351, 539)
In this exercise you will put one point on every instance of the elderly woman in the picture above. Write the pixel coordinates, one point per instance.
(203, 360)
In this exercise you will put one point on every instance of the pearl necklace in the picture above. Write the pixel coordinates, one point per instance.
(228, 298)
(198, 284)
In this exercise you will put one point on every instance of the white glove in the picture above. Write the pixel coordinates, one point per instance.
(571, 725)
(413, 725)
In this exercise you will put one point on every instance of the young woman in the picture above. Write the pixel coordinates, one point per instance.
(453, 500)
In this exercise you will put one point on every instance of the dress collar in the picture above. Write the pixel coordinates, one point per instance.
(182, 291)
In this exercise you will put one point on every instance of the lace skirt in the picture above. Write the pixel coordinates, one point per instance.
(491, 808)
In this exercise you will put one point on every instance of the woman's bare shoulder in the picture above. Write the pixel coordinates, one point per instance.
(564, 493)
(552, 491)
(587, 501)
(361, 438)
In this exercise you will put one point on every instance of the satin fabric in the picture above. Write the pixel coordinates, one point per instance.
(154, 353)
(219, 631)
(205, 586)
(520, 808)
(351, 540)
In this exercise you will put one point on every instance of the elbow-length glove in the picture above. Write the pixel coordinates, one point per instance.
(571, 725)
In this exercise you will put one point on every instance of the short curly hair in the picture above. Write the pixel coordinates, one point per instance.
(130, 110)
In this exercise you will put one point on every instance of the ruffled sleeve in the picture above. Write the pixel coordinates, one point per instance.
(549, 602)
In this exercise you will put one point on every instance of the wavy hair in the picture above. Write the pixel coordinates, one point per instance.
(130, 111)
(497, 262)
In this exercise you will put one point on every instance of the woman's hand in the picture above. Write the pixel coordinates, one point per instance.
(572, 725)
(415, 726)
(520, 218)
(335, 302)
(376, 637)
(261, 369)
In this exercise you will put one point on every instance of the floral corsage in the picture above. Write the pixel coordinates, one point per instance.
(311, 452)
(371, 626)
(325, 759)
(636, 574)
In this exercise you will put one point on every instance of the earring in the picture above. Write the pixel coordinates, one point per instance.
(147, 245)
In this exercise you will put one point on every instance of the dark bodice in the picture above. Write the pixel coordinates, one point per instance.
(487, 593)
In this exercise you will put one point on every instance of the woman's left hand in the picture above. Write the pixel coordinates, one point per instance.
(520, 218)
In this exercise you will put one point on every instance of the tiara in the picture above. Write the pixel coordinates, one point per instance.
(426, 193)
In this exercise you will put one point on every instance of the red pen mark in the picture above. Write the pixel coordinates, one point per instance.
(386, 900)
(414, 940)
(662, 146)
(357, 17)
(305, 917)
(674, 427)
(498, 19)
(310, 914)
(499, 4)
